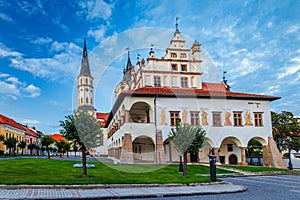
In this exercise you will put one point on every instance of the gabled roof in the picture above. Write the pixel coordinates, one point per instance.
(31, 132)
(10, 122)
(58, 137)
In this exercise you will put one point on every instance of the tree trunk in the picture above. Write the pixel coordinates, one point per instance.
(83, 161)
(48, 151)
(184, 163)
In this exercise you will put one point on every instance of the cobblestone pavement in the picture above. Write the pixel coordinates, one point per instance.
(24, 192)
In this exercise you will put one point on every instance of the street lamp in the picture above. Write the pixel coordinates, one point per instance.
(288, 139)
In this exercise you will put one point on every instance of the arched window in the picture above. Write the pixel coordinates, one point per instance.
(87, 100)
(81, 100)
(86, 81)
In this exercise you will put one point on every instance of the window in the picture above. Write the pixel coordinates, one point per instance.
(87, 100)
(195, 118)
(183, 68)
(174, 116)
(237, 118)
(182, 55)
(173, 55)
(216, 119)
(157, 82)
(174, 67)
(86, 81)
(81, 100)
(258, 119)
(229, 147)
(184, 82)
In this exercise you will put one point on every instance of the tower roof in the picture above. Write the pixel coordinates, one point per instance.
(85, 67)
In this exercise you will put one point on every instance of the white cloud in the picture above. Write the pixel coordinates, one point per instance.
(96, 9)
(13, 88)
(292, 69)
(41, 40)
(7, 52)
(5, 17)
(293, 29)
(32, 91)
(64, 64)
(30, 121)
(98, 34)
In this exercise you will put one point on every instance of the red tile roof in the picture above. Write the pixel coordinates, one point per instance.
(10, 122)
(216, 90)
(102, 118)
(58, 137)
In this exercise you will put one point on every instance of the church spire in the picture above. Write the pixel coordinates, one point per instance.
(85, 67)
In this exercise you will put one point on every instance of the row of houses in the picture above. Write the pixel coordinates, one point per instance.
(10, 128)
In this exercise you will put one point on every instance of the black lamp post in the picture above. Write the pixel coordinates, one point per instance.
(288, 139)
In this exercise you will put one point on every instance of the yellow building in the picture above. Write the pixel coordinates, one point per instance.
(10, 128)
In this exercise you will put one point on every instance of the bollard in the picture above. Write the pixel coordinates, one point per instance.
(212, 165)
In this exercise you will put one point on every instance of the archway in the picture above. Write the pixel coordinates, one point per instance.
(254, 151)
(230, 146)
(143, 149)
(232, 159)
(139, 113)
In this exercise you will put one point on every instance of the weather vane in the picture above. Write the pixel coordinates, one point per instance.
(127, 50)
(177, 18)
(152, 45)
(224, 72)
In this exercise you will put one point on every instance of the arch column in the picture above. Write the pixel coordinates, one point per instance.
(126, 116)
(243, 156)
(126, 154)
(160, 153)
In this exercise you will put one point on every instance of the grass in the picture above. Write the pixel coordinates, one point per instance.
(34, 171)
(255, 168)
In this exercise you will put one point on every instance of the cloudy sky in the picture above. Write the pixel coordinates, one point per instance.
(256, 42)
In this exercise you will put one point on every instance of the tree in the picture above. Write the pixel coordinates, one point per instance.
(31, 147)
(2, 137)
(67, 147)
(10, 143)
(286, 124)
(187, 138)
(43, 150)
(75, 148)
(83, 129)
(22, 145)
(60, 147)
(46, 141)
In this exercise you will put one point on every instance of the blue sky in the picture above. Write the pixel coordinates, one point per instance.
(256, 42)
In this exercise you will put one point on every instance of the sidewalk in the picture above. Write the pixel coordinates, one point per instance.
(114, 191)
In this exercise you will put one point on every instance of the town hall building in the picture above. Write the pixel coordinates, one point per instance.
(157, 93)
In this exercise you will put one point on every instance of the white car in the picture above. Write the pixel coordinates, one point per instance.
(295, 158)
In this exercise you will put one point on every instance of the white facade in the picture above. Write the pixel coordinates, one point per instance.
(163, 90)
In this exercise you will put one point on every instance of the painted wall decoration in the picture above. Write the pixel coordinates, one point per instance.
(227, 119)
(163, 119)
(204, 118)
(248, 119)
(184, 116)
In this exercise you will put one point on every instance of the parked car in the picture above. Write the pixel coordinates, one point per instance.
(295, 159)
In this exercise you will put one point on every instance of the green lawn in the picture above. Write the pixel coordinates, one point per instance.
(255, 168)
(34, 171)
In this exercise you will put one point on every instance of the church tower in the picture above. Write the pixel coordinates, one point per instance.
(85, 84)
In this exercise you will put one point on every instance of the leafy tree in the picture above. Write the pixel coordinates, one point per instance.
(67, 147)
(46, 141)
(22, 145)
(10, 143)
(31, 147)
(43, 149)
(83, 129)
(60, 146)
(75, 148)
(286, 124)
(187, 138)
(2, 137)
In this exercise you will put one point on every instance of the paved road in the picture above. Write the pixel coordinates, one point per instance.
(283, 187)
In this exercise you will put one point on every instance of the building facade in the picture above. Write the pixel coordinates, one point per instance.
(159, 92)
